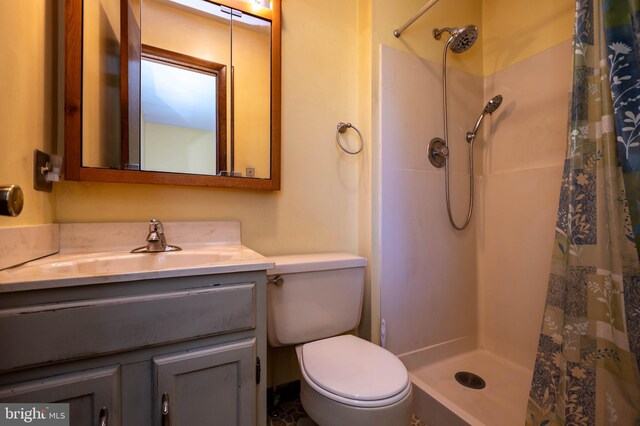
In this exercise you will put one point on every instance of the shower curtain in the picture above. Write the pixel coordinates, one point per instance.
(587, 364)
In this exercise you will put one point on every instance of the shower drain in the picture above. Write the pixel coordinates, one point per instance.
(470, 380)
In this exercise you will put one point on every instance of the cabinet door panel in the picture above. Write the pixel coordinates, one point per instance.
(210, 386)
(86, 392)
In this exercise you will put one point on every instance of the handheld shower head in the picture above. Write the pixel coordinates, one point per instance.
(492, 105)
(461, 39)
(489, 108)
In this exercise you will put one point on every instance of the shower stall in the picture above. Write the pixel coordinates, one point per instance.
(469, 300)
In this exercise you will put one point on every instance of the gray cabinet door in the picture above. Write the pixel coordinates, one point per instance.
(210, 386)
(90, 394)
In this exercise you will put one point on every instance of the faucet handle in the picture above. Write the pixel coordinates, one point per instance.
(156, 241)
(156, 226)
(153, 237)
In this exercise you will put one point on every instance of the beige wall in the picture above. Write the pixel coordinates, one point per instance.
(516, 30)
(28, 87)
(418, 38)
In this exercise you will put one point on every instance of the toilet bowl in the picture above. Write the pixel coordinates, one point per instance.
(346, 380)
(349, 381)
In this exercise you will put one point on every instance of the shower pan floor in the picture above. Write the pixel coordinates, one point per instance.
(439, 396)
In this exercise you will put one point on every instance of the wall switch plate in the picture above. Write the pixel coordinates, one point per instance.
(40, 166)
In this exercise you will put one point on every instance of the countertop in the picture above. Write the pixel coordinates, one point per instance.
(77, 269)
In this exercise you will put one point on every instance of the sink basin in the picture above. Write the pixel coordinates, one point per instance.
(91, 268)
(131, 263)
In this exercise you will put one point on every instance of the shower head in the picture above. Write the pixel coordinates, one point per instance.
(489, 108)
(461, 39)
(492, 105)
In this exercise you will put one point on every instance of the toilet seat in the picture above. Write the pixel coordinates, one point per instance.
(354, 371)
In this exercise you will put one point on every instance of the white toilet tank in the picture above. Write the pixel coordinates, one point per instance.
(320, 296)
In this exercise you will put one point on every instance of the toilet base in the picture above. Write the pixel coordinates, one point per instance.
(327, 412)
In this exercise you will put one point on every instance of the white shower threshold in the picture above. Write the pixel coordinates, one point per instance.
(439, 400)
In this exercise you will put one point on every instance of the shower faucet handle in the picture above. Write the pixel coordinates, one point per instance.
(438, 152)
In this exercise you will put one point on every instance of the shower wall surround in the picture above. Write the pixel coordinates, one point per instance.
(428, 270)
(486, 285)
(518, 199)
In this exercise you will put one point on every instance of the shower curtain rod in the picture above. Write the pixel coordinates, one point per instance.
(426, 7)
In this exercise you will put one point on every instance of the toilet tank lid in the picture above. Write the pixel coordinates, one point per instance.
(291, 264)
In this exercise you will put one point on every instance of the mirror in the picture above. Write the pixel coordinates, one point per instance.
(182, 114)
(180, 92)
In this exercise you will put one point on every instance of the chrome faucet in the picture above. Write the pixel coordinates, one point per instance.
(156, 241)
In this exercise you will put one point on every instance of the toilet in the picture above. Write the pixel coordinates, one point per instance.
(312, 300)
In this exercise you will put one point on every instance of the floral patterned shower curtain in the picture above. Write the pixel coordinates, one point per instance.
(587, 365)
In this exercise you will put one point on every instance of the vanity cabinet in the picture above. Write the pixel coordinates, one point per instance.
(168, 351)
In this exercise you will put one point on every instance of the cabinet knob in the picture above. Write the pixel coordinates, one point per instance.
(104, 417)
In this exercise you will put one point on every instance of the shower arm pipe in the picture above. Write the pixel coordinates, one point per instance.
(397, 32)
(446, 142)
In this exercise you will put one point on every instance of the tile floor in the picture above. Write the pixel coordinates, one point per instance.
(291, 411)
(288, 414)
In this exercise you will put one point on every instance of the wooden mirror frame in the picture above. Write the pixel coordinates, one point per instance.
(74, 171)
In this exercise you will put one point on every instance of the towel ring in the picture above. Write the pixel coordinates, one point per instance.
(342, 127)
